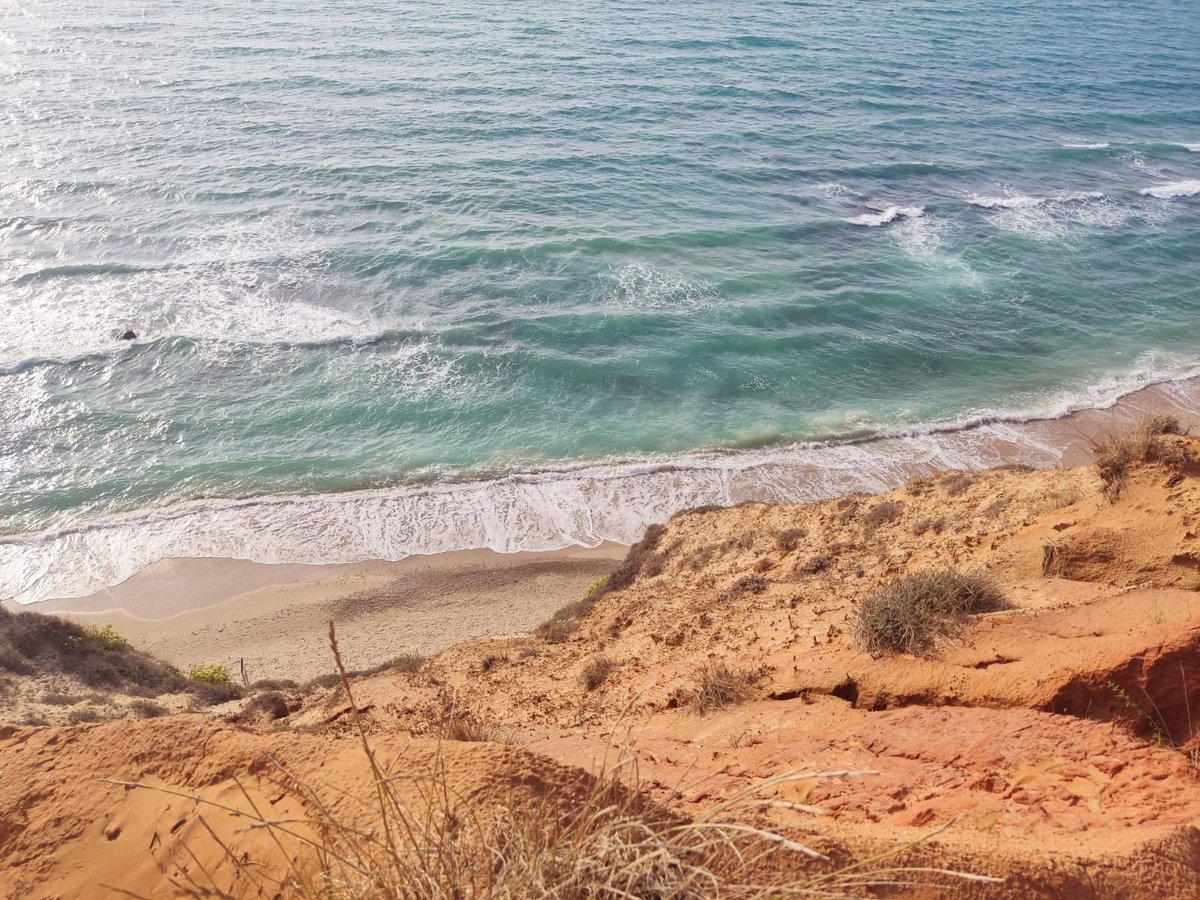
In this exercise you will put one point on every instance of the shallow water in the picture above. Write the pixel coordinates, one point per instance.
(410, 277)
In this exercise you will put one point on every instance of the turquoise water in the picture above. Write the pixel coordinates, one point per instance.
(409, 277)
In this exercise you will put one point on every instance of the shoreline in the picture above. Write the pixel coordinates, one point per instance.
(541, 512)
(275, 618)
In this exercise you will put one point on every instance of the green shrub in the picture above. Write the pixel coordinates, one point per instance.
(210, 674)
(596, 586)
(107, 637)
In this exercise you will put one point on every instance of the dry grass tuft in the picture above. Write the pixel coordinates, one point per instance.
(718, 686)
(911, 615)
(596, 672)
(955, 484)
(1140, 443)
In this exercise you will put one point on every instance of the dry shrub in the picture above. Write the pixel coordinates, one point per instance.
(955, 484)
(1054, 561)
(789, 539)
(147, 709)
(596, 672)
(639, 555)
(911, 615)
(565, 621)
(744, 541)
(206, 693)
(36, 644)
(56, 698)
(937, 526)
(82, 715)
(491, 661)
(718, 686)
(993, 509)
(263, 708)
(883, 514)
(599, 838)
(747, 584)
(815, 564)
(1058, 497)
(1140, 443)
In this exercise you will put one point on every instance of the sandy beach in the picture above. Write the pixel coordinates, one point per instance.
(275, 617)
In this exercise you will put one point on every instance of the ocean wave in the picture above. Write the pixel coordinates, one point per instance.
(886, 215)
(582, 505)
(1021, 201)
(1099, 145)
(1187, 188)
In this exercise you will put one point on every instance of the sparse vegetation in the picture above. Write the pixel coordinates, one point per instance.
(266, 707)
(718, 686)
(747, 584)
(631, 566)
(1141, 443)
(214, 693)
(147, 709)
(57, 698)
(596, 672)
(1054, 561)
(955, 483)
(789, 539)
(35, 644)
(407, 662)
(491, 661)
(912, 614)
(815, 564)
(82, 715)
(564, 623)
(210, 674)
(937, 526)
(596, 586)
(882, 514)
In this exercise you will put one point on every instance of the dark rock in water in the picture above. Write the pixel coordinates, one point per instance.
(129, 335)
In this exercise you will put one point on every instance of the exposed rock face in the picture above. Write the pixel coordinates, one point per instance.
(1054, 744)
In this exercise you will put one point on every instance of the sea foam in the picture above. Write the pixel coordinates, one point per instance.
(1187, 188)
(886, 215)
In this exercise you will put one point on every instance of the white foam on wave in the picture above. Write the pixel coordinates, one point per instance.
(886, 215)
(1022, 201)
(260, 283)
(1175, 189)
(640, 286)
(580, 506)
(1099, 145)
(1194, 148)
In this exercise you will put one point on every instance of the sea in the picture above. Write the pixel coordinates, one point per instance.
(299, 281)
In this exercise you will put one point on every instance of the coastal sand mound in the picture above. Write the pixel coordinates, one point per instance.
(1053, 743)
